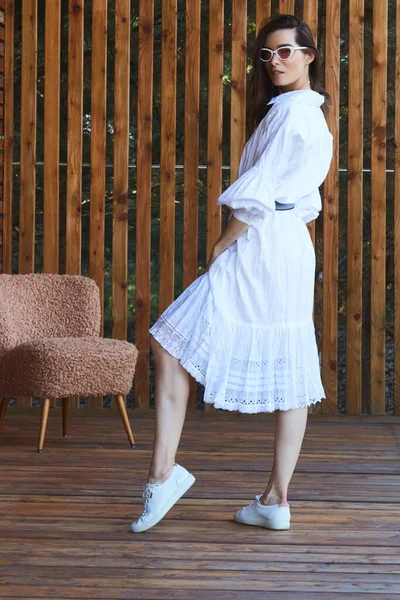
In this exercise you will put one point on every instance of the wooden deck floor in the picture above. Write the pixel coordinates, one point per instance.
(66, 513)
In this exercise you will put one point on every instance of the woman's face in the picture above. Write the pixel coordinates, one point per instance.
(291, 74)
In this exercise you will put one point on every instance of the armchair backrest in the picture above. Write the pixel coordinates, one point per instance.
(39, 306)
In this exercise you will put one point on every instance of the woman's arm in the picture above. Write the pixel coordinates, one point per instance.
(233, 230)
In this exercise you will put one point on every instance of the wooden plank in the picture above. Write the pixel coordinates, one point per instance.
(121, 174)
(28, 138)
(238, 84)
(8, 136)
(378, 207)
(397, 223)
(27, 207)
(310, 16)
(214, 136)
(98, 156)
(263, 12)
(286, 7)
(143, 201)
(51, 137)
(73, 234)
(74, 151)
(214, 140)
(191, 157)
(331, 216)
(355, 209)
(168, 153)
(98, 145)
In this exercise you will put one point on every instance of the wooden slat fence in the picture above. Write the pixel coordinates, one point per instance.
(129, 125)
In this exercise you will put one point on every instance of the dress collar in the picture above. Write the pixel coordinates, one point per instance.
(304, 96)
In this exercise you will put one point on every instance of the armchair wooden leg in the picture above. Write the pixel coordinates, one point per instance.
(43, 422)
(125, 420)
(65, 414)
(4, 402)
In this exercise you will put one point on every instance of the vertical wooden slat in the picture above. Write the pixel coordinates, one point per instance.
(51, 136)
(121, 173)
(8, 135)
(214, 139)
(74, 143)
(143, 200)
(74, 152)
(331, 209)
(98, 144)
(28, 146)
(378, 206)
(355, 209)
(28, 137)
(168, 153)
(192, 107)
(397, 223)
(286, 7)
(2, 19)
(310, 16)
(238, 84)
(263, 12)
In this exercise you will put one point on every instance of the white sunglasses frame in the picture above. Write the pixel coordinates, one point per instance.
(292, 48)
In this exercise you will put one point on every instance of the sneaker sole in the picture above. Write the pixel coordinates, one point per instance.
(185, 485)
(284, 526)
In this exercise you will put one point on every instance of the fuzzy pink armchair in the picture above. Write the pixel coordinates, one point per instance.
(50, 345)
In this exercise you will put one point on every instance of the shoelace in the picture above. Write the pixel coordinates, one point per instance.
(147, 494)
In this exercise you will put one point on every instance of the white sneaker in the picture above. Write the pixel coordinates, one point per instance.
(159, 498)
(270, 517)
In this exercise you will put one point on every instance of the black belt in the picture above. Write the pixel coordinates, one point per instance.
(281, 206)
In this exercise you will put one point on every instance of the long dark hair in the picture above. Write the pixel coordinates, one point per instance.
(261, 89)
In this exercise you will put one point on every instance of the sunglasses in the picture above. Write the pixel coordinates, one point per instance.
(283, 53)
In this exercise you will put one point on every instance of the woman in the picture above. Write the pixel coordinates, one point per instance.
(244, 329)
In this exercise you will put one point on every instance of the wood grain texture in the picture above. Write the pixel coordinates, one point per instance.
(74, 144)
(347, 546)
(355, 209)
(214, 140)
(51, 137)
(397, 223)
(378, 207)
(8, 134)
(98, 145)
(168, 153)
(238, 84)
(121, 173)
(143, 201)
(191, 157)
(28, 138)
(214, 136)
(310, 16)
(331, 214)
(263, 12)
(286, 7)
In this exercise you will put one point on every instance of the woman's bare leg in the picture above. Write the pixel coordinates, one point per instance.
(289, 433)
(172, 393)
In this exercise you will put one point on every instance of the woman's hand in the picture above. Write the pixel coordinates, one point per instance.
(216, 251)
(231, 233)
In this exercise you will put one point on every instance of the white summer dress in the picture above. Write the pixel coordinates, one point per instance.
(244, 329)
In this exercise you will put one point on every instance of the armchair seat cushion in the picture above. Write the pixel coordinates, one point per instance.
(69, 366)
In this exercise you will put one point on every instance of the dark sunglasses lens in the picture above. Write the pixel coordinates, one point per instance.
(266, 55)
(284, 53)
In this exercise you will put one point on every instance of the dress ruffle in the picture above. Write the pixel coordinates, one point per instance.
(247, 368)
